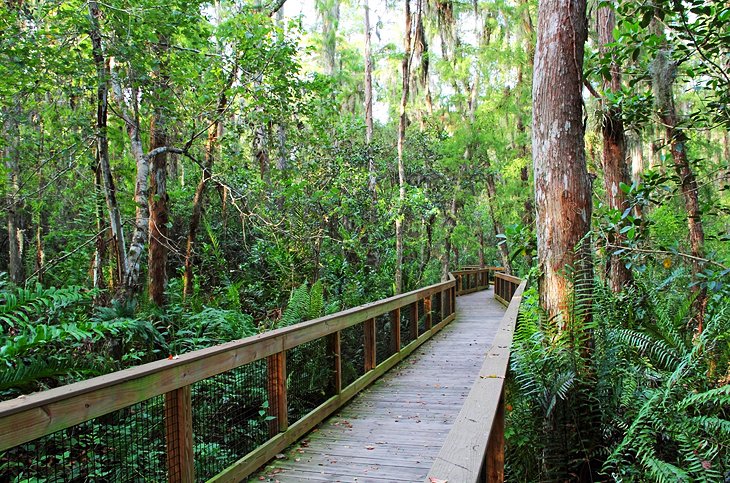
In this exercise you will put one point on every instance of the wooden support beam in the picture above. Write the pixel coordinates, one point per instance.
(179, 435)
(495, 446)
(444, 301)
(370, 345)
(427, 310)
(335, 350)
(395, 331)
(414, 321)
(276, 372)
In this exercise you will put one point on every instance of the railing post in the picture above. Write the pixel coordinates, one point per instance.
(427, 309)
(335, 348)
(452, 300)
(276, 372)
(414, 320)
(395, 331)
(495, 446)
(179, 435)
(370, 352)
(444, 294)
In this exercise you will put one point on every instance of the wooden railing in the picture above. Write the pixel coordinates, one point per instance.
(471, 278)
(474, 448)
(505, 286)
(172, 402)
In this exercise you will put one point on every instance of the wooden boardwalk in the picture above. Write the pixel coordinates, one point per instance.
(393, 431)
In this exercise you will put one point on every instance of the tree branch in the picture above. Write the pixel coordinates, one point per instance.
(591, 89)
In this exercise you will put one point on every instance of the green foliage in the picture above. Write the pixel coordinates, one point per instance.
(647, 405)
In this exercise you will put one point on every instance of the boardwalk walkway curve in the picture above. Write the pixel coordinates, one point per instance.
(221, 413)
(394, 430)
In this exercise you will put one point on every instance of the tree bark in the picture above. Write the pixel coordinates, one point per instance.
(102, 142)
(615, 169)
(663, 70)
(562, 185)
(129, 108)
(16, 235)
(158, 198)
(402, 120)
(450, 224)
(369, 104)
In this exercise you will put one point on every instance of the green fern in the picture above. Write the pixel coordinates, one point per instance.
(24, 306)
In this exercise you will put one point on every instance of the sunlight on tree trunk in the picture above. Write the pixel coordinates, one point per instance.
(615, 168)
(562, 186)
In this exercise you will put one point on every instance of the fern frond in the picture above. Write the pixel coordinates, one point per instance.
(661, 353)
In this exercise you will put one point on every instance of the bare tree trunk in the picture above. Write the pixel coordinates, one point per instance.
(498, 228)
(450, 224)
(562, 185)
(372, 180)
(615, 169)
(329, 11)
(726, 153)
(102, 142)
(129, 107)
(97, 275)
(260, 149)
(158, 198)
(402, 121)
(198, 199)
(663, 71)
(16, 236)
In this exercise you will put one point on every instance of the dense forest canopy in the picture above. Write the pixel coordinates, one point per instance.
(180, 174)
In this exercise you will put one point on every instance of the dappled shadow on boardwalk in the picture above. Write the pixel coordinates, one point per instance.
(393, 431)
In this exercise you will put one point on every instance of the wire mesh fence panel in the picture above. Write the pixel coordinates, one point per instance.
(406, 320)
(310, 377)
(352, 353)
(383, 337)
(126, 446)
(422, 316)
(230, 417)
(436, 308)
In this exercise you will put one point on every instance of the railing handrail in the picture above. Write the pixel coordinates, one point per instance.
(254, 348)
(37, 415)
(474, 448)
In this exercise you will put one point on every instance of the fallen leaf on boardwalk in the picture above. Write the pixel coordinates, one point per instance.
(262, 478)
(297, 460)
(492, 376)
(431, 479)
(280, 456)
(370, 446)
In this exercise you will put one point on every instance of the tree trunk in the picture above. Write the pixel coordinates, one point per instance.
(97, 274)
(102, 142)
(562, 185)
(498, 228)
(16, 236)
(403, 119)
(329, 11)
(369, 104)
(450, 224)
(615, 169)
(663, 71)
(198, 199)
(129, 108)
(158, 199)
